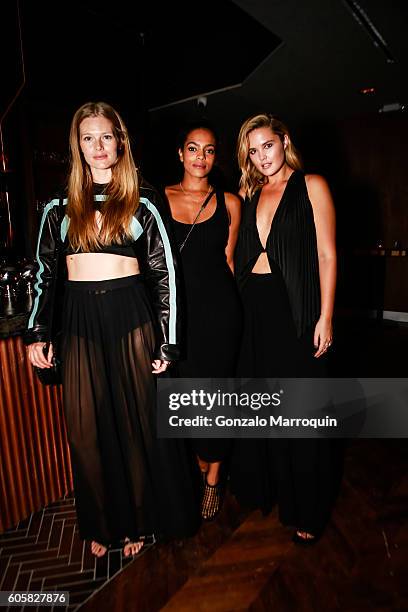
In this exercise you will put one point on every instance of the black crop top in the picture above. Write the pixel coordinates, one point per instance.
(155, 253)
(124, 249)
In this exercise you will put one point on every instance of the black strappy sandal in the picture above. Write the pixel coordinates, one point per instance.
(145, 541)
(211, 500)
(106, 546)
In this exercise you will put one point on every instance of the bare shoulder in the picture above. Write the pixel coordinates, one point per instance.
(318, 190)
(171, 189)
(316, 182)
(232, 201)
(316, 185)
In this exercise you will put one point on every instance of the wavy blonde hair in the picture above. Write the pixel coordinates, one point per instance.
(251, 179)
(122, 192)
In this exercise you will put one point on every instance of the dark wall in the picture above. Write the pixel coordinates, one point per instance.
(363, 159)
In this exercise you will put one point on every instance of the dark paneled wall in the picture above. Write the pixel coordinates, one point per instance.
(35, 467)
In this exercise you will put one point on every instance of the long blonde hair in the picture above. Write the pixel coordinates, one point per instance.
(251, 178)
(122, 191)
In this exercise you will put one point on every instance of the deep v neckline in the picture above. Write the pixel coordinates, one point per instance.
(278, 207)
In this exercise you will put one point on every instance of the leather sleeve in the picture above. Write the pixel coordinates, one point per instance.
(162, 275)
(39, 322)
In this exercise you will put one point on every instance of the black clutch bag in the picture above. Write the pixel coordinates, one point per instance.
(53, 375)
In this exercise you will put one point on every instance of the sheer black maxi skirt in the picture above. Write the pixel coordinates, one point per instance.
(127, 482)
(297, 473)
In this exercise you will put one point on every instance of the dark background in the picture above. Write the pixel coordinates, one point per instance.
(305, 61)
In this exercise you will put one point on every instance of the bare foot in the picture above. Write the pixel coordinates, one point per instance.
(132, 548)
(98, 549)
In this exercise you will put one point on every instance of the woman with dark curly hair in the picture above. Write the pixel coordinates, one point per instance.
(206, 222)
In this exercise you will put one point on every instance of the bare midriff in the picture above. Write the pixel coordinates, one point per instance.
(100, 266)
(262, 265)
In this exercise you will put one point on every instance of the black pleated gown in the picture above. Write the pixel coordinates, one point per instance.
(280, 310)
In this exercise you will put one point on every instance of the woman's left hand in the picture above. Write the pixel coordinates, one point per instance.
(323, 336)
(160, 365)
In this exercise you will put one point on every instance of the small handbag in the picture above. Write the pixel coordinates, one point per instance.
(53, 375)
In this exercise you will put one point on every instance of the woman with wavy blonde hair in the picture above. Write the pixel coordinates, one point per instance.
(286, 270)
(119, 327)
(252, 178)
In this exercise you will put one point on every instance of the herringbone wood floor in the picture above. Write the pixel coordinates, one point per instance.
(240, 561)
(44, 553)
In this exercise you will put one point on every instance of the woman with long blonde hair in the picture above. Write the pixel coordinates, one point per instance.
(119, 328)
(286, 270)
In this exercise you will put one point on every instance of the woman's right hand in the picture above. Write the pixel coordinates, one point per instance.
(160, 365)
(36, 355)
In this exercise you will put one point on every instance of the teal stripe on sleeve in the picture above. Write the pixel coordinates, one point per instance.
(136, 229)
(170, 268)
(37, 289)
(64, 225)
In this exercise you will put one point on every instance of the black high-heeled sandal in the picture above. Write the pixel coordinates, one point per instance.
(129, 542)
(145, 541)
(211, 500)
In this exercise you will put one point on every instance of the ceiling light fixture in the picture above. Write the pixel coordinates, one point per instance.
(368, 91)
(365, 22)
(392, 108)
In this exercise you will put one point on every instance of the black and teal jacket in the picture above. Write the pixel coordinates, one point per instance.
(152, 245)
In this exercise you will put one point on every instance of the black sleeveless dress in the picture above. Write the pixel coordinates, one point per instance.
(212, 313)
(281, 309)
